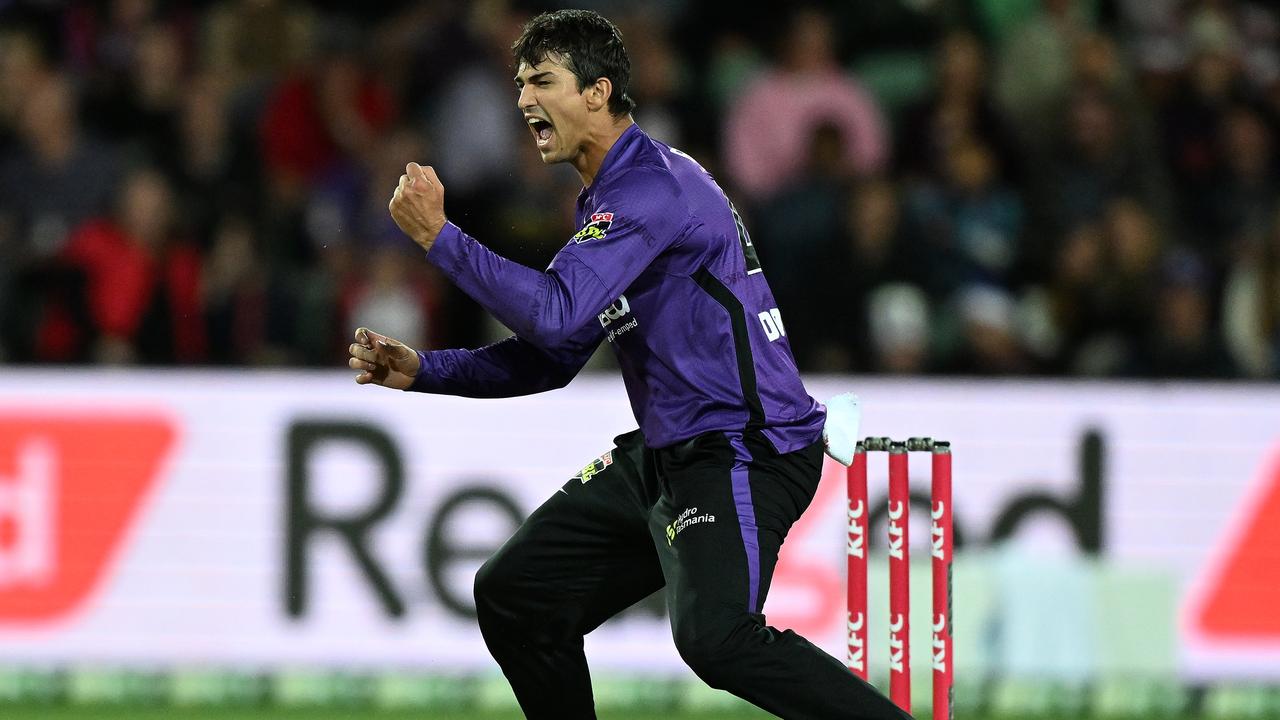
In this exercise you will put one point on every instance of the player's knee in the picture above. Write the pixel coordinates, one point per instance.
(712, 652)
(713, 666)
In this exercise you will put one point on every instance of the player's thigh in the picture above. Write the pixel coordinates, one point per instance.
(697, 526)
(782, 487)
(726, 506)
(588, 545)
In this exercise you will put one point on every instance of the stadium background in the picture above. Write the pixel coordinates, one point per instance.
(1082, 198)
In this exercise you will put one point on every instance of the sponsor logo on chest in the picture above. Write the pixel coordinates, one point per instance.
(614, 313)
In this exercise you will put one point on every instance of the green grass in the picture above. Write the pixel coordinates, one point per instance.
(36, 712)
(126, 712)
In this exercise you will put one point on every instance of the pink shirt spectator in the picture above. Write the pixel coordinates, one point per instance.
(770, 126)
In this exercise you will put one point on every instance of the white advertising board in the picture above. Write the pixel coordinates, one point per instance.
(266, 520)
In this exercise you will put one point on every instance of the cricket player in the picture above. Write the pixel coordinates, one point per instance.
(729, 447)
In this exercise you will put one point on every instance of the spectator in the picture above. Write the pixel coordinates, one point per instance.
(836, 330)
(473, 117)
(1135, 249)
(766, 129)
(988, 343)
(157, 78)
(23, 68)
(321, 294)
(142, 282)
(56, 179)
(207, 180)
(1154, 36)
(538, 215)
(389, 295)
(118, 39)
(1183, 342)
(1192, 121)
(249, 43)
(899, 337)
(734, 62)
(1250, 28)
(657, 78)
(1035, 68)
(966, 225)
(793, 230)
(1098, 157)
(1243, 198)
(1251, 306)
(318, 117)
(1078, 297)
(239, 301)
(958, 109)
(368, 216)
(1105, 288)
(135, 97)
(438, 35)
(319, 124)
(1097, 63)
(102, 44)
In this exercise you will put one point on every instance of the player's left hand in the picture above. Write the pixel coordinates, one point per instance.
(417, 205)
(382, 360)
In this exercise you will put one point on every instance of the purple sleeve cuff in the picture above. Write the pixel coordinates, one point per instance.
(449, 250)
(426, 380)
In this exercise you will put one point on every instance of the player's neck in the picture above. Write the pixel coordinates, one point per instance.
(597, 147)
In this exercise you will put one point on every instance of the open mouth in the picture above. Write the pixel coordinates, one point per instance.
(542, 131)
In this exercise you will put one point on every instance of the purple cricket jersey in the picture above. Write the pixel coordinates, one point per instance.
(663, 270)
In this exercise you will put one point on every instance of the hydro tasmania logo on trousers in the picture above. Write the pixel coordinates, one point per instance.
(689, 517)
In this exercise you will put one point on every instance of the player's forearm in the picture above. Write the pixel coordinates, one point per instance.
(545, 308)
(505, 369)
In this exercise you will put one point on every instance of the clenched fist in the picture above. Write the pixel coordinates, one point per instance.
(417, 205)
(382, 360)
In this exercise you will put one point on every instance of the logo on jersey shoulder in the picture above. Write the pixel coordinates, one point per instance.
(595, 228)
(595, 467)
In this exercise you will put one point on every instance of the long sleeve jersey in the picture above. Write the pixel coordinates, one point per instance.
(664, 271)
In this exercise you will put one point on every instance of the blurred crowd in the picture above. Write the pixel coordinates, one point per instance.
(979, 187)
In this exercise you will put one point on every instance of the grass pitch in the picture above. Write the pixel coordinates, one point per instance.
(116, 712)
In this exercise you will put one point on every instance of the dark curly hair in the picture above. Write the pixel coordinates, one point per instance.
(588, 44)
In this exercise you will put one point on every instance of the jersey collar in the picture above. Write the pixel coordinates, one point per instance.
(619, 155)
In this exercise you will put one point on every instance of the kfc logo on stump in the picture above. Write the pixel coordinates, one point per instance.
(70, 488)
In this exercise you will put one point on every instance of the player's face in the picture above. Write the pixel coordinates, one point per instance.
(553, 108)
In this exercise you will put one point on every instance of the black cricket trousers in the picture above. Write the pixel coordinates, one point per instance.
(705, 518)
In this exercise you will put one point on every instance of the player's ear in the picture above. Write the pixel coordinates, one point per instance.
(598, 94)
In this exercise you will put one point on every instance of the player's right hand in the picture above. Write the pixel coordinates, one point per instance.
(382, 360)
